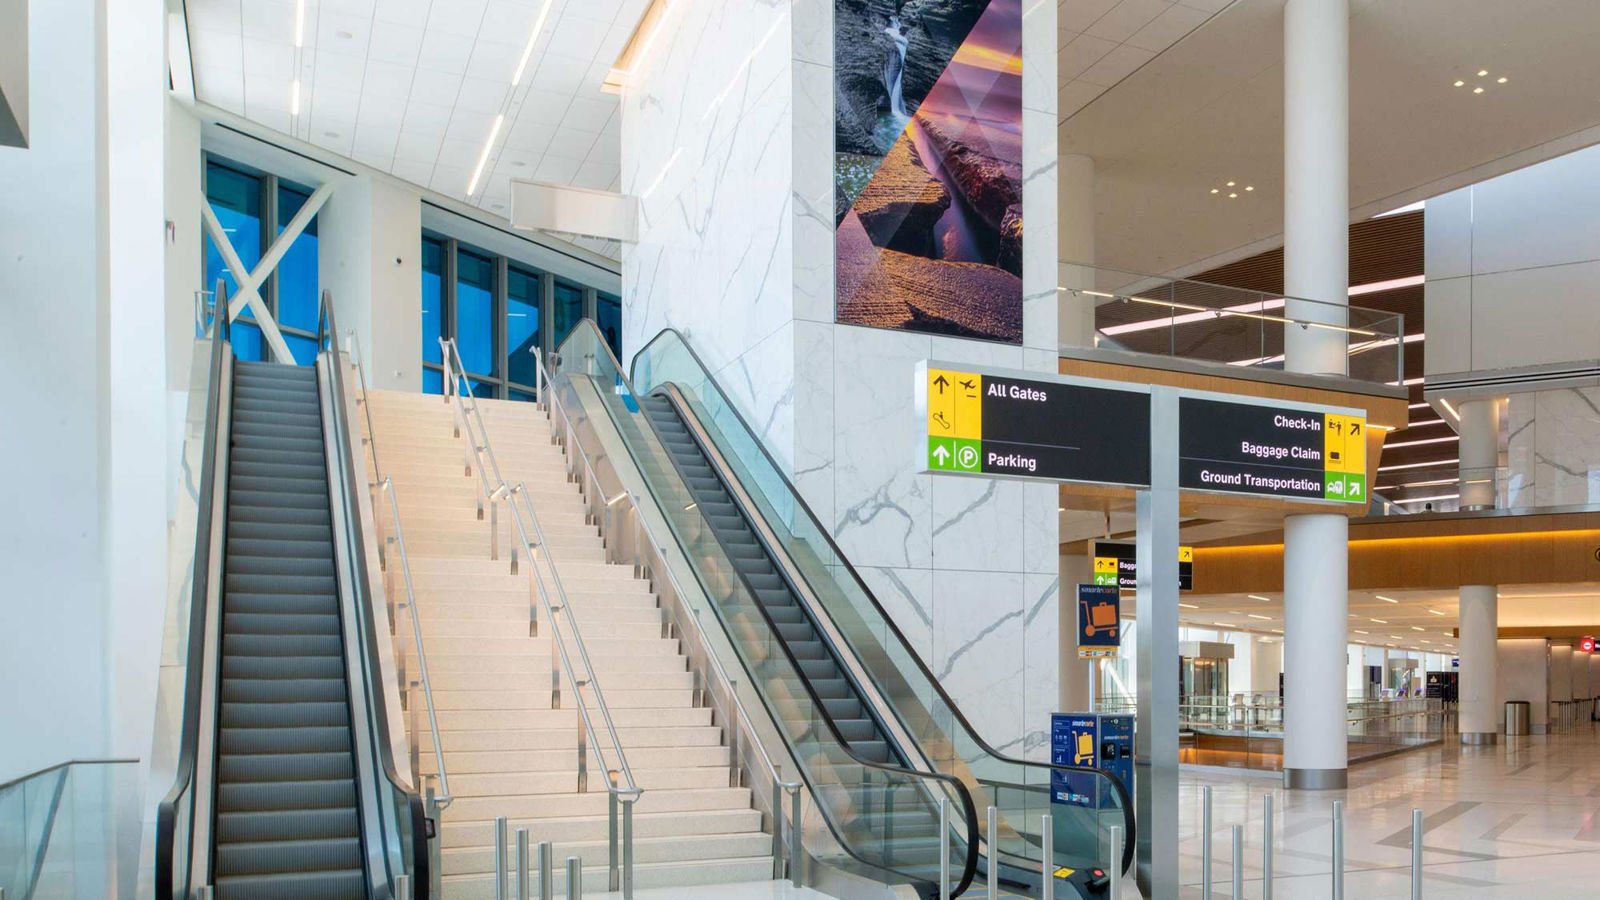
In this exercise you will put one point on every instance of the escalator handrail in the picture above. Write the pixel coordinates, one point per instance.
(968, 809)
(959, 717)
(199, 592)
(378, 709)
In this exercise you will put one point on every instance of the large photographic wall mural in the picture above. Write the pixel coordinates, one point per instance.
(928, 166)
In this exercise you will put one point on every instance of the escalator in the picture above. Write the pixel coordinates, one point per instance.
(285, 784)
(287, 823)
(805, 625)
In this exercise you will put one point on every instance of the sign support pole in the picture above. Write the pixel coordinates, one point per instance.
(1156, 733)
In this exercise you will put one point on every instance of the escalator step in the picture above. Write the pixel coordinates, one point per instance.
(269, 796)
(291, 825)
(305, 739)
(285, 715)
(283, 690)
(260, 667)
(310, 766)
(283, 857)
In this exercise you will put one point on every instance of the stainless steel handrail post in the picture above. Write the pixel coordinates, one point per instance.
(1205, 842)
(547, 875)
(614, 876)
(574, 878)
(1238, 862)
(1047, 867)
(1338, 850)
(500, 858)
(1416, 854)
(796, 855)
(524, 891)
(944, 848)
(445, 797)
(991, 865)
(627, 847)
(1266, 847)
(402, 888)
(1115, 870)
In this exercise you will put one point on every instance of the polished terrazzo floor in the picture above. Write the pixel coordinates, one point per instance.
(1520, 819)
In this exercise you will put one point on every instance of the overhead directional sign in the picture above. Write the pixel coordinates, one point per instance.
(998, 425)
(1275, 450)
(1115, 564)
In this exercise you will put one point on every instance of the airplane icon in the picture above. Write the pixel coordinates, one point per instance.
(970, 385)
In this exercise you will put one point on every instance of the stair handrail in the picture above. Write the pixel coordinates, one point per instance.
(551, 401)
(386, 487)
(620, 783)
(200, 587)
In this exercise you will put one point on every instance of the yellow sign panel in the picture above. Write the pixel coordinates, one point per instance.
(955, 404)
(1105, 565)
(1345, 444)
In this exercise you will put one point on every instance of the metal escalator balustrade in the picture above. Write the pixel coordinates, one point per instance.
(883, 819)
(284, 784)
(929, 726)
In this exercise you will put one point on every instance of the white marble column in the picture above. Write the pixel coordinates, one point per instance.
(1480, 723)
(1480, 452)
(1316, 266)
(1076, 322)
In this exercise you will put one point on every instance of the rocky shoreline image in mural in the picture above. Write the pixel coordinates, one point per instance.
(928, 167)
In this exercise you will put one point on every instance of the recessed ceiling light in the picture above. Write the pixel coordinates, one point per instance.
(1230, 184)
(1249, 187)
(1215, 191)
(1415, 628)
(1436, 612)
(1482, 72)
(1259, 597)
(1501, 80)
(1379, 622)
(344, 35)
(1459, 82)
(1386, 599)
(1263, 618)
(1188, 606)
(1477, 90)
(1232, 196)
(1358, 631)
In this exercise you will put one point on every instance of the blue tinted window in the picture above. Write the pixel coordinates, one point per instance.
(482, 389)
(297, 273)
(247, 343)
(432, 298)
(522, 324)
(236, 200)
(520, 395)
(608, 315)
(303, 348)
(569, 309)
(432, 381)
(475, 323)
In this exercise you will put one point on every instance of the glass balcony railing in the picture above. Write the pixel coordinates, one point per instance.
(1438, 489)
(58, 832)
(1213, 323)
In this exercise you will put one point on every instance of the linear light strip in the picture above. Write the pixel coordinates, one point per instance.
(483, 158)
(1436, 464)
(527, 52)
(1421, 443)
(1428, 499)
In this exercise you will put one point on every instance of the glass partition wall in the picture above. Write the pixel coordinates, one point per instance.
(498, 309)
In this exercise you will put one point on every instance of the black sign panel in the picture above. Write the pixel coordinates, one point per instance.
(1126, 575)
(1045, 429)
(1249, 449)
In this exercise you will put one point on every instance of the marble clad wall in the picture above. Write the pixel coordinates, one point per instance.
(727, 139)
(1554, 447)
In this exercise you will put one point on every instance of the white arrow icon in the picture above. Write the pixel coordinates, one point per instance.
(942, 454)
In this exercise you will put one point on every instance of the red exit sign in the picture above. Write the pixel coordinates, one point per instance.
(1586, 643)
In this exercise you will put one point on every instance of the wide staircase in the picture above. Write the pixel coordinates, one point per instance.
(508, 750)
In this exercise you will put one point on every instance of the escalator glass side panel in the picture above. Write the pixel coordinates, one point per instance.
(884, 815)
(1020, 790)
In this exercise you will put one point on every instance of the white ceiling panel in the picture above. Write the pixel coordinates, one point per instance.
(395, 43)
(413, 86)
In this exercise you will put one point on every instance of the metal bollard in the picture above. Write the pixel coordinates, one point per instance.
(203, 892)
(1338, 850)
(402, 888)
(991, 867)
(1115, 870)
(1047, 861)
(1238, 862)
(524, 886)
(1205, 842)
(944, 848)
(574, 878)
(500, 858)
(1416, 854)
(547, 875)
(1266, 847)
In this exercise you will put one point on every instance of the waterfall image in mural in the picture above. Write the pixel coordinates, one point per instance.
(928, 166)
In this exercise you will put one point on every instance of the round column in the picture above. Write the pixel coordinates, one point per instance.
(1480, 721)
(1480, 452)
(1316, 580)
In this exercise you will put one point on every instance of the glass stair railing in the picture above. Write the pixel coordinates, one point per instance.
(877, 737)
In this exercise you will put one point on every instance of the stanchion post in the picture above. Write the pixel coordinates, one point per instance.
(1047, 867)
(1416, 854)
(1205, 842)
(524, 885)
(1115, 869)
(574, 878)
(991, 867)
(402, 888)
(1338, 850)
(1238, 862)
(500, 858)
(547, 875)
(1266, 847)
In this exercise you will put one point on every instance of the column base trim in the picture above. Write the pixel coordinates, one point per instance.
(1316, 779)
(1480, 738)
